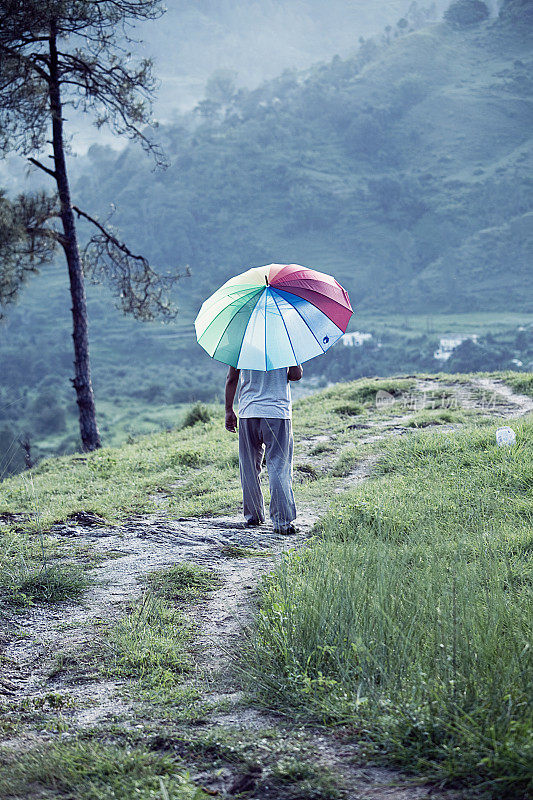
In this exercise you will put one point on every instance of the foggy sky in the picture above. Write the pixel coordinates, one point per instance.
(257, 39)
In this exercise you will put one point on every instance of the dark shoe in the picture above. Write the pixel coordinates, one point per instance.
(252, 523)
(286, 531)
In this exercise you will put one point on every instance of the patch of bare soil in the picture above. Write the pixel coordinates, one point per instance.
(489, 396)
(32, 640)
(509, 403)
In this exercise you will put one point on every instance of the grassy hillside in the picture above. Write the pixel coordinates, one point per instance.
(402, 625)
(409, 616)
(144, 375)
(149, 390)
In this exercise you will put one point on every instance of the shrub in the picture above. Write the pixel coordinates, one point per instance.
(466, 12)
(197, 413)
(349, 409)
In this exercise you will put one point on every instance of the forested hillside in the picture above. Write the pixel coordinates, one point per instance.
(404, 170)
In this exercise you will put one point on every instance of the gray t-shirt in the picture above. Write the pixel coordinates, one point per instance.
(265, 394)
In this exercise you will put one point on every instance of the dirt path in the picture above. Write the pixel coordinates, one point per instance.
(32, 640)
(509, 403)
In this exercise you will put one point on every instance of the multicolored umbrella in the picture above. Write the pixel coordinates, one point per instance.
(273, 316)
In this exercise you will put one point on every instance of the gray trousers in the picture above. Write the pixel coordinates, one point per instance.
(276, 436)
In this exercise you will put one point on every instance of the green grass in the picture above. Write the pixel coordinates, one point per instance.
(426, 418)
(181, 582)
(193, 470)
(115, 482)
(95, 771)
(44, 713)
(120, 420)
(354, 398)
(306, 471)
(124, 418)
(201, 460)
(406, 618)
(322, 447)
(364, 391)
(149, 643)
(287, 756)
(349, 409)
(237, 551)
(409, 617)
(27, 587)
(190, 471)
(346, 462)
(296, 779)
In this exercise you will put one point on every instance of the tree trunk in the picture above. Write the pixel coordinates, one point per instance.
(90, 436)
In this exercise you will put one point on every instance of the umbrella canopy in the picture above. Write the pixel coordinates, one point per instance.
(274, 316)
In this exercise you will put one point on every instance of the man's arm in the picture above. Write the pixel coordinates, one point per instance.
(232, 380)
(295, 373)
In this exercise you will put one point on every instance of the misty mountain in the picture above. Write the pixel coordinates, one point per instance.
(404, 170)
(257, 40)
(252, 40)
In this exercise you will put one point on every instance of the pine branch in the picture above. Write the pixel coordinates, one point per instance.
(42, 166)
(142, 291)
(26, 60)
(112, 239)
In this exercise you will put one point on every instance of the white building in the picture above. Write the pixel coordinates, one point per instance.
(356, 338)
(448, 344)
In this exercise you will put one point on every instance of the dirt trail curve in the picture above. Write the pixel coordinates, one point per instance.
(31, 640)
(510, 404)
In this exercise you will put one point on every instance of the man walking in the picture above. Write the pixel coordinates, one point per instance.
(265, 418)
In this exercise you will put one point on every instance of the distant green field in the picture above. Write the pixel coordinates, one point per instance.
(122, 419)
(441, 324)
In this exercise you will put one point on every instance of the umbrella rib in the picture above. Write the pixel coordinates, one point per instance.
(243, 294)
(244, 334)
(266, 358)
(305, 321)
(285, 326)
(230, 321)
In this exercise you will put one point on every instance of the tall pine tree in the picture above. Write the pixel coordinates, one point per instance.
(53, 54)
